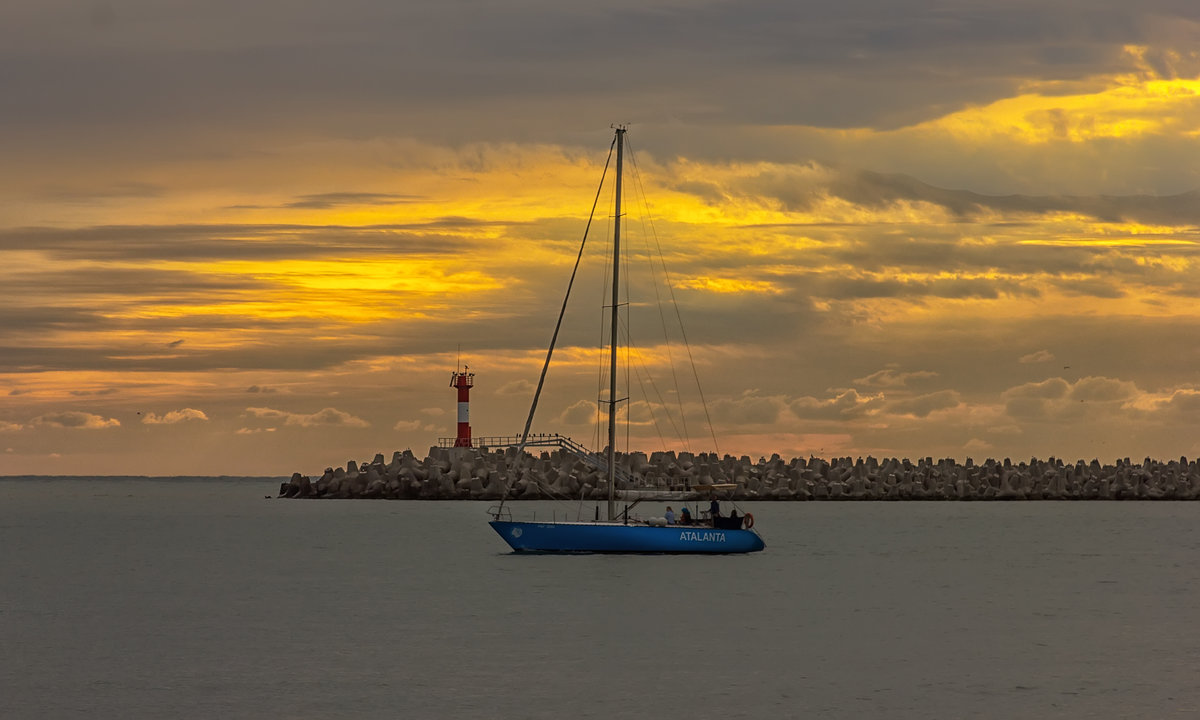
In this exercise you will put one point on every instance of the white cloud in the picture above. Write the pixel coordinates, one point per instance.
(1102, 389)
(9, 427)
(1037, 357)
(893, 378)
(75, 419)
(977, 445)
(174, 416)
(1048, 389)
(922, 405)
(516, 387)
(581, 412)
(324, 417)
(751, 408)
(262, 412)
(1057, 399)
(253, 431)
(412, 425)
(434, 411)
(845, 404)
(1184, 404)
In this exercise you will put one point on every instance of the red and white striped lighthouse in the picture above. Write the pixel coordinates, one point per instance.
(463, 381)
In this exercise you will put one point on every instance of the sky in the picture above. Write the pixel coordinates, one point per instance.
(252, 239)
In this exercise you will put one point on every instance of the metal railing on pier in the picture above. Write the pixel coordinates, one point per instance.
(540, 440)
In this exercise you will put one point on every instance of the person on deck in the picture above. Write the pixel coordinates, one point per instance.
(685, 516)
(670, 516)
(714, 508)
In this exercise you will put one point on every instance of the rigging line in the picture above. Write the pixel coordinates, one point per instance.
(679, 317)
(628, 388)
(637, 176)
(600, 366)
(552, 496)
(563, 311)
(649, 405)
(650, 409)
(666, 408)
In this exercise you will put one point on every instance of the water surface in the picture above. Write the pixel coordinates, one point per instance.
(202, 599)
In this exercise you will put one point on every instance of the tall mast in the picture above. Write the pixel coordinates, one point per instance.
(612, 372)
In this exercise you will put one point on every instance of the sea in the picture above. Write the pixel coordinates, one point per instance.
(206, 598)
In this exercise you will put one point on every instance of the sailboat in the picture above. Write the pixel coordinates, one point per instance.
(618, 533)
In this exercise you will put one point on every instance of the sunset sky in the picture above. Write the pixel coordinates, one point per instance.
(251, 238)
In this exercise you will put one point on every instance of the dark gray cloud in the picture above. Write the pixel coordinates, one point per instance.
(922, 405)
(93, 393)
(26, 317)
(960, 288)
(804, 189)
(282, 355)
(1093, 287)
(271, 343)
(324, 201)
(1103, 266)
(112, 283)
(869, 62)
(877, 190)
(238, 242)
(122, 190)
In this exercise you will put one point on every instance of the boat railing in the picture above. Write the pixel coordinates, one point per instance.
(543, 440)
(499, 512)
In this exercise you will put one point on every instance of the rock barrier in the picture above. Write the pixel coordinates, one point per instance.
(477, 474)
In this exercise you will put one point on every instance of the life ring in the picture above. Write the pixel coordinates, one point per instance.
(747, 521)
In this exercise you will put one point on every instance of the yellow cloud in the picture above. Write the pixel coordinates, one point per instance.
(344, 289)
(1129, 106)
(727, 285)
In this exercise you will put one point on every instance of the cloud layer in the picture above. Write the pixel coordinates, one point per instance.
(891, 227)
(175, 416)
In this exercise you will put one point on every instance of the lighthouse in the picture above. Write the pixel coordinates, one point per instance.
(463, 381)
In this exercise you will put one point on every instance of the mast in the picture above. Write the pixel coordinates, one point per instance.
(612, 372)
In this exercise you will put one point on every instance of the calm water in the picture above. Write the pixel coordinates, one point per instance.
(141, 599)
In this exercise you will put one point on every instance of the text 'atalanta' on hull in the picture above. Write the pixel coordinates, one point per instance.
(586, 537)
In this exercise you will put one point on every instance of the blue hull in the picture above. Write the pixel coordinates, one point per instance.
(572, 537)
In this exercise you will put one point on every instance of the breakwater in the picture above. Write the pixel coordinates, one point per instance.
(474, 474)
